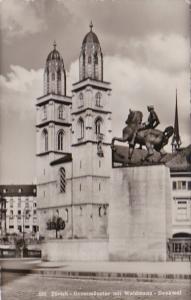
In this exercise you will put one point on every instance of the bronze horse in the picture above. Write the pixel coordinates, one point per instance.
(153, 139)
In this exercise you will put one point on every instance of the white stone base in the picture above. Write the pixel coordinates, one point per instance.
(75, 250)
(140, 213)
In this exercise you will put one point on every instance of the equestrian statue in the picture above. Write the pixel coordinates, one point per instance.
(144, 134)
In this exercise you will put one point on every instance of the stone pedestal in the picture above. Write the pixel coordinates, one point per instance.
(140, 213)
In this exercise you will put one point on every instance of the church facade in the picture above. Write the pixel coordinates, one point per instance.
(73, 146)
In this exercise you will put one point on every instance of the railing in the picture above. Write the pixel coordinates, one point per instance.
(179, 249)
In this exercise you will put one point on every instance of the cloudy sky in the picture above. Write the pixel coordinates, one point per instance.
(146, 57)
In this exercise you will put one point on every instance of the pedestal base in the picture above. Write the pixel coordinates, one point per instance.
(140, 213)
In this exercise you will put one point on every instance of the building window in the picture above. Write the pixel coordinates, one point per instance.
(183, 185)
(181, 210)
(19, 228)
(11, 214)
(62, 175)
(189, 185)
(44, 112)
(53, 76)
(19, 214)
(81, 99)
(89, 59)
(11, 202)
(174, 185)
(60, 140)
(81, 128)
(11, 226)
(96, 58)
(99, 186)
(27, 203)
(179, 185)
(99, 211)
(60, 112)
(84, 58)
(66, 210)
(45, 140)
(34, 204)
(80, 187)
(34, 212)
(98, 124)
(19, 202)
(59, 75)
(98, 98)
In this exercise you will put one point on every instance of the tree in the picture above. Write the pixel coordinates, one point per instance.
(56, 223)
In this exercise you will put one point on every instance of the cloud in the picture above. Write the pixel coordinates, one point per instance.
(136, 83)
(168, 53)
(18, 18)
(19, 90)
(135, 86)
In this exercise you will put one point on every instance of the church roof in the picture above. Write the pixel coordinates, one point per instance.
(19, 190)
(90, 38)
(66, 158)
(54, 54)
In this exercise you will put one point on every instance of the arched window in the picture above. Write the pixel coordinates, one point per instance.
(84, 58)
(81, 99)
(98, 125)
(98, 98)
(44, 112)
(96, 58)
(60, 112)
(89, 59)
(60, 140)
(62, 178)
(81, 128)
(59, 75)
(53, 76)
(45, 140)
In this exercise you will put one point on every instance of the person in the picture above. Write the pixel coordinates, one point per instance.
(153, 120)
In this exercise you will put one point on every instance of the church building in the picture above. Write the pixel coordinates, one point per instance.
(73, 146)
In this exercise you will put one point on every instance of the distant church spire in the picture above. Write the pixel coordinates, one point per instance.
(176, 141)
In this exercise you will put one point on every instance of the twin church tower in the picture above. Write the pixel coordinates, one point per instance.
(73, 146)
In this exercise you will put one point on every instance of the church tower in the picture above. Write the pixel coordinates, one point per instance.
(176, 141)
(53, 129)
(91, 138)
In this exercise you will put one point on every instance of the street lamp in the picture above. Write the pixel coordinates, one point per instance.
(25, 213)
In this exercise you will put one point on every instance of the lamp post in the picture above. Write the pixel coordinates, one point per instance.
(3, 214)
(25, 213)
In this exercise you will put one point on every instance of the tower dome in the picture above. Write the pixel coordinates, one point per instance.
(54, 73)
(91, 57)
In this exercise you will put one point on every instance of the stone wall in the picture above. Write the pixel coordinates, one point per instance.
(75, 250)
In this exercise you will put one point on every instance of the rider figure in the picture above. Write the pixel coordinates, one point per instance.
(153, 120)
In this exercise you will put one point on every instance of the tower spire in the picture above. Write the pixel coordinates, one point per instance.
(176, 141)
(91, 26)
